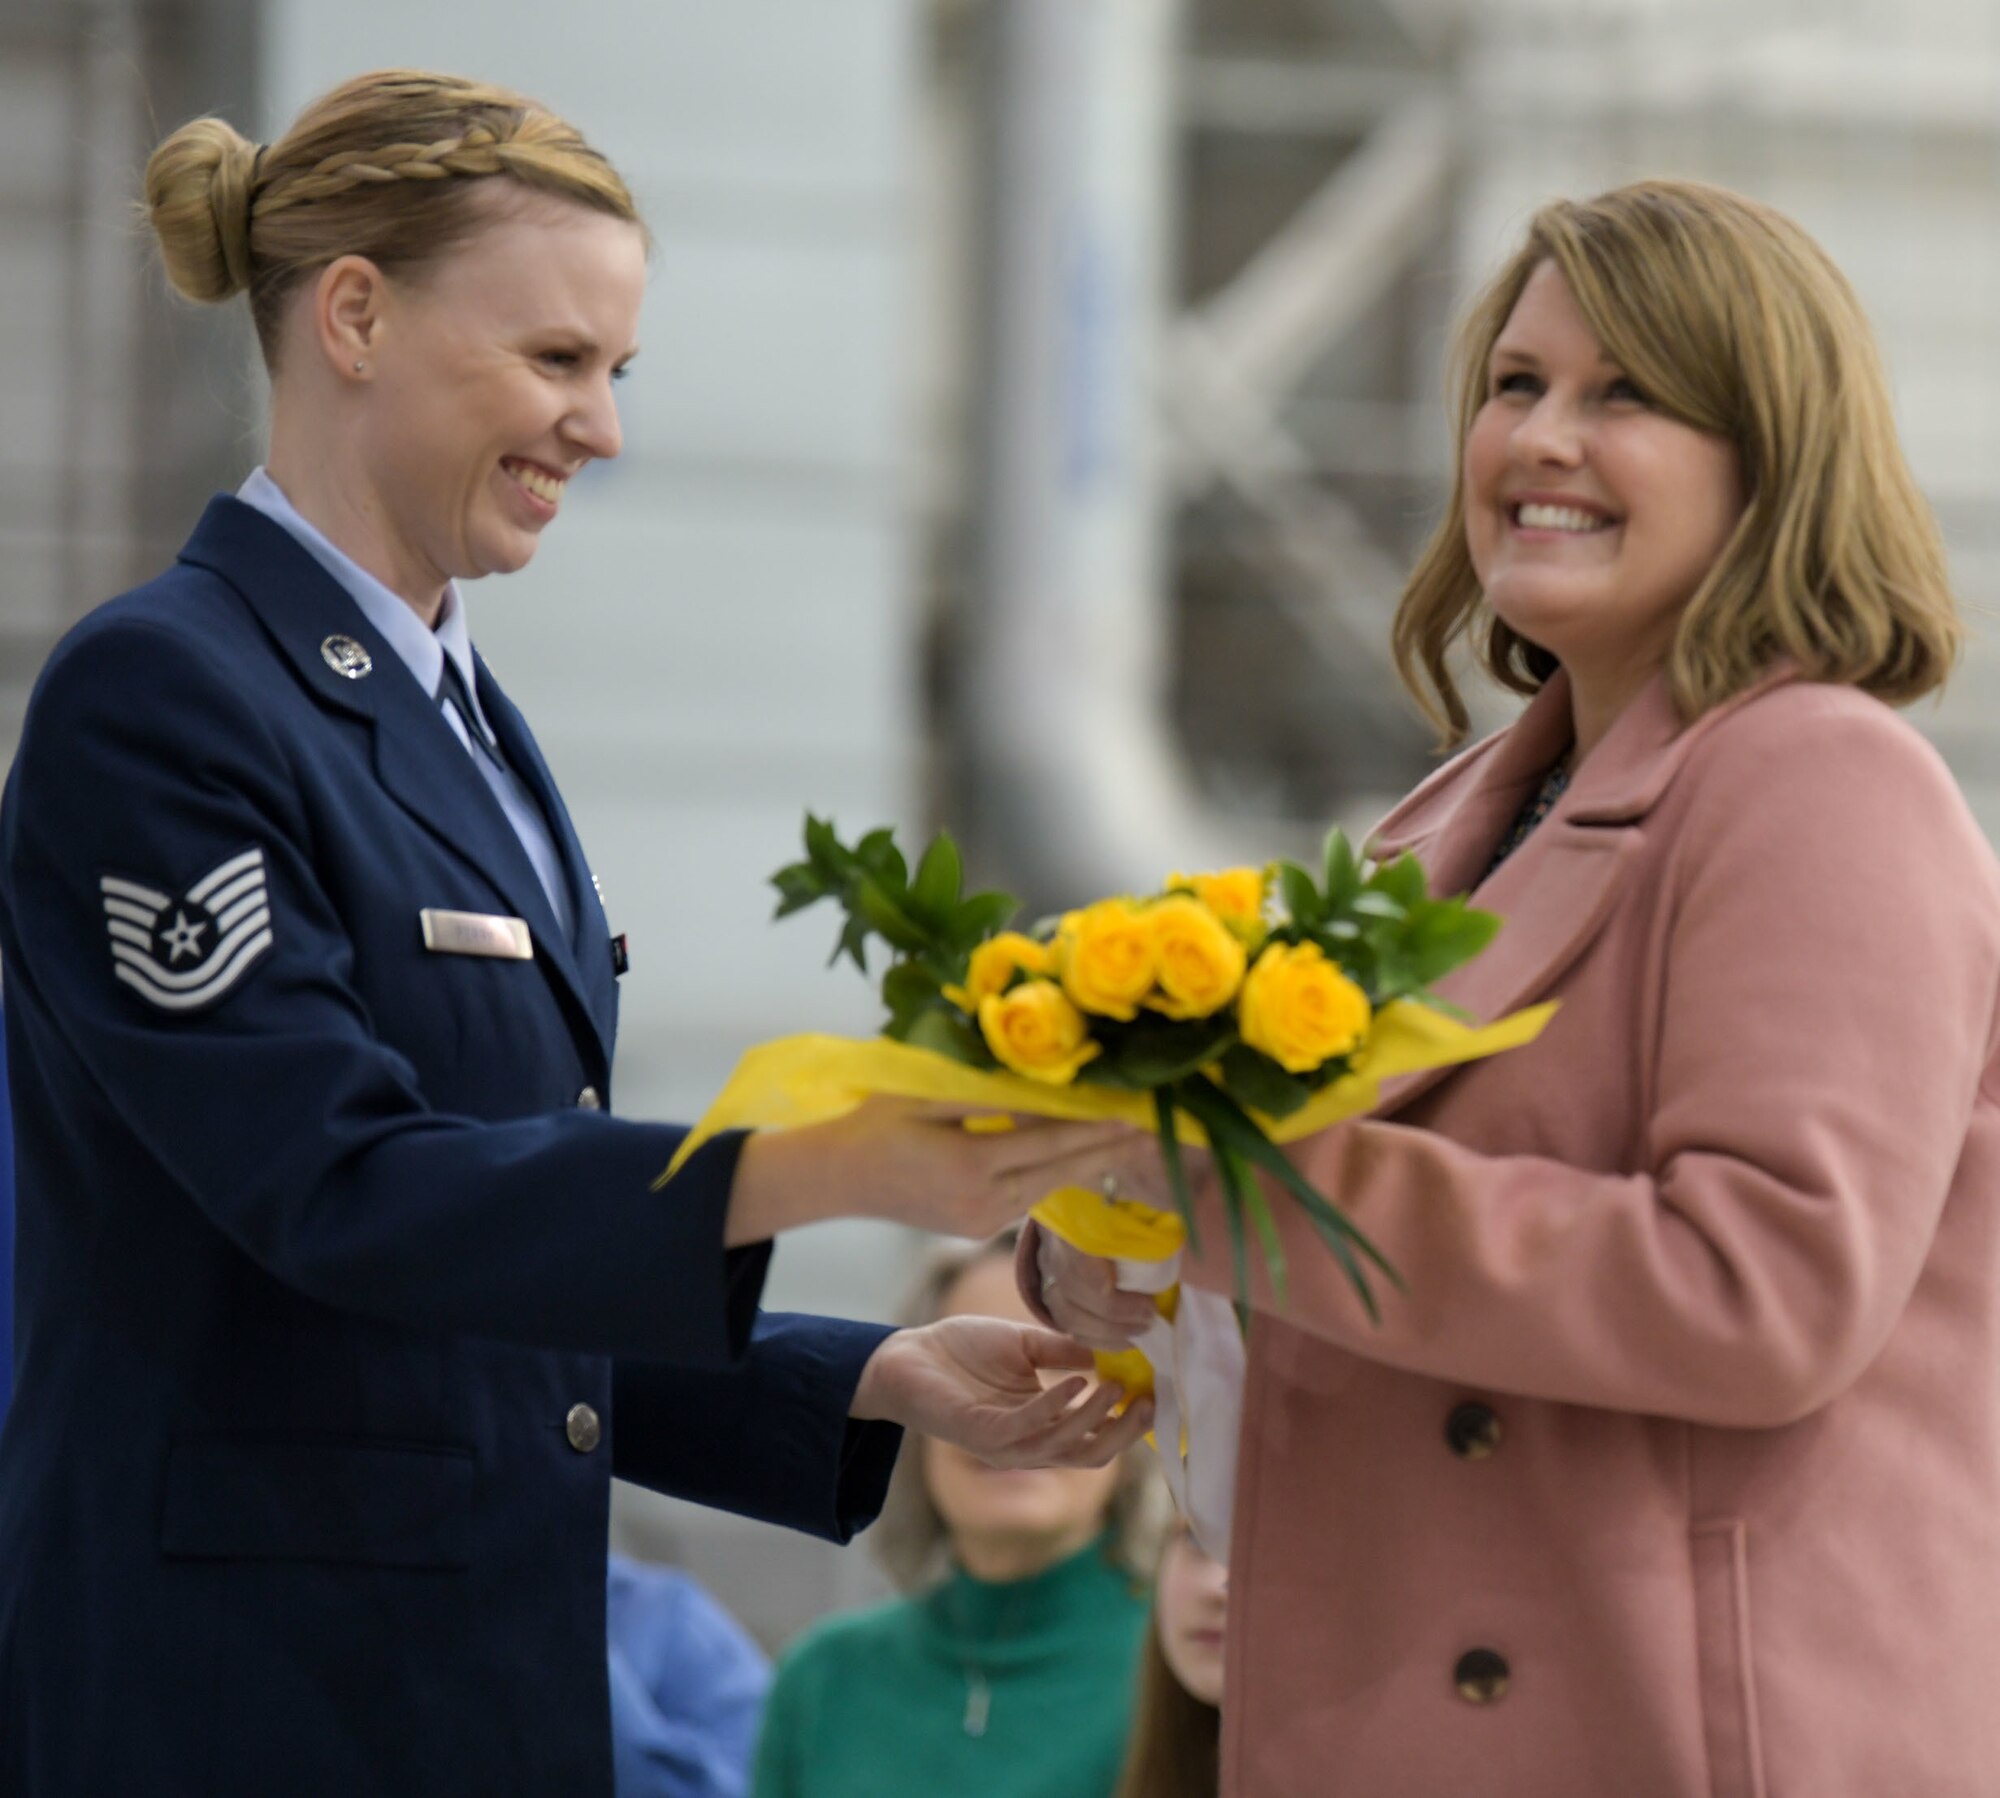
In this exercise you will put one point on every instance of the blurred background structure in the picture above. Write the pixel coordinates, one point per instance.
(1040, 404)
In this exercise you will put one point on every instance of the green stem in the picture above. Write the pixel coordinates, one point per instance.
(1170, 1153)
(1229, 1126)
(1234, 1173)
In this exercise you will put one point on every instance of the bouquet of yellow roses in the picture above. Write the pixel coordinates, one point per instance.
(1231, 1000)
(1238, 1010)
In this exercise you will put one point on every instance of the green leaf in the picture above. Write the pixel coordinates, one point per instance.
(853, 943)
(1332, 1223)
(981, 916)
(944, 1031)
(1256, 1081)
(1301, 895)
(1267, 1234)
(1228, 1127)
(1343, 872)
(823, 847)
(908, 987)
(934, 892)
(1445, 935)
(878, 854)
(1379, 905)
(1170, 1153)
(799, 886)
(1150, 1055)
(1234, 1177)
(1394, 978)
(1402, 880)
(881, 914)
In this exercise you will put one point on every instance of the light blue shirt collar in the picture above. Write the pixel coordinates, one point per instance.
(422, 652)
(420, 649)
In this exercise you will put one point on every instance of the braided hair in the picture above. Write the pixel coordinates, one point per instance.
(392, 166)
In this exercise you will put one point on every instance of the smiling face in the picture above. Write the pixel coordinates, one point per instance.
(490, 387)
(1591, 517)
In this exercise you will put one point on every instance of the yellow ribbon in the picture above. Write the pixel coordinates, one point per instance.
(799, 1080)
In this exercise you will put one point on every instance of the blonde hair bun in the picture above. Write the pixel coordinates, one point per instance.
(388, 166)
(198, 202)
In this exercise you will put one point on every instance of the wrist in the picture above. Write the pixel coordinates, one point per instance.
(774, 1190)
(874, 1398)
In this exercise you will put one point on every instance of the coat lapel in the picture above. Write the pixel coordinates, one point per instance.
(592, 947)
(1558, 888)
(418, 759)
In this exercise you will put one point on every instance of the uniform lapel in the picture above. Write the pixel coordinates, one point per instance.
(417, 757)
(1558, 888)
(593, 935)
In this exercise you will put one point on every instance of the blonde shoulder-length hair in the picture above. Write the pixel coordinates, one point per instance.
(1733, 320)
(910, 1540)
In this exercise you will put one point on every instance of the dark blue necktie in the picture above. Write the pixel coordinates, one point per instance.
(452, 692)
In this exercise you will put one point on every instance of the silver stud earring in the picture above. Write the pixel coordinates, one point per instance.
(361, 368)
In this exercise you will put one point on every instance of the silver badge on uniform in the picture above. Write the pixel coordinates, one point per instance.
(181, 953)
(347, 658)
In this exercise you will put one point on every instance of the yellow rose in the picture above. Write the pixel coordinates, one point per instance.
(1300, 1009)
(1036, 1031)
(994, 963)
(1200, 962)
(1104, 955)
(1236, 893)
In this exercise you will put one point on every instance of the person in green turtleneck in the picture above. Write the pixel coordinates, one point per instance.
(1010, 1670)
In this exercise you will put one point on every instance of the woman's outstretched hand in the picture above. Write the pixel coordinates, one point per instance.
(977, 1383)
(912, 1162)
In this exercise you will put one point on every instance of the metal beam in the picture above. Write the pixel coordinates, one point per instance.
(1333, 260)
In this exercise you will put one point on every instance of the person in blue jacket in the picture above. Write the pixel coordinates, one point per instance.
(687, 1686)
(342, 1293)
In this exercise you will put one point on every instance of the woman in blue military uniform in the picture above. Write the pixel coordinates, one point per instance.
(342, 1297)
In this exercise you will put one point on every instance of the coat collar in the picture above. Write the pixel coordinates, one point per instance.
(1556, 890)
(418, 759)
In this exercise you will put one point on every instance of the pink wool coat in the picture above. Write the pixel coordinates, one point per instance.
(1677, 1470)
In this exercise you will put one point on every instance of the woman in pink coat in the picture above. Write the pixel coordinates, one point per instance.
(1677, 1469)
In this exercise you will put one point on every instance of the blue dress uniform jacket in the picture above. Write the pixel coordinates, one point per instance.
(340, 1300)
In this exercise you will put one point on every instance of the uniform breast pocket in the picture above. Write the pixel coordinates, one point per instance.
(339, 1499)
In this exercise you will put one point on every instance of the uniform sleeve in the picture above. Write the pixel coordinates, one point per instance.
(1826, 1021)
(272, 1104)
(769, 1438)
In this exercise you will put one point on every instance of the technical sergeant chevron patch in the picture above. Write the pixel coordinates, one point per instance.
(183, 953)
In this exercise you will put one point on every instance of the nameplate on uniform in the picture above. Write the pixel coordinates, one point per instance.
(476, 933)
